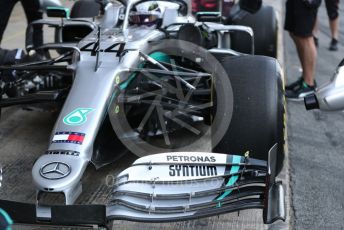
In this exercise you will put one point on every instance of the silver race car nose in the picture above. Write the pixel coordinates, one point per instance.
(329, 97)
(59, 173)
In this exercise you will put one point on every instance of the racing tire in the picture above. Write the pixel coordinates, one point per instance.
(258, 116)
(85, 9)
(264, 26)
(0, 95)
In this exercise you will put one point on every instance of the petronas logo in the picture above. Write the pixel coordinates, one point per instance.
(77, 117)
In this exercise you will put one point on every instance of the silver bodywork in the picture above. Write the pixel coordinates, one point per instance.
(163, 187)
(186, 185)
(168, 194)
(93, 87)
(330, 97)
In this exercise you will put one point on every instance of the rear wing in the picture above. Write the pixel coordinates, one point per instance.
(173, 187)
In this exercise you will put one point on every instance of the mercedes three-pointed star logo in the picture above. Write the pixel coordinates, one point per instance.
(55, 170)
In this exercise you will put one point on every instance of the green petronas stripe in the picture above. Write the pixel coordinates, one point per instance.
(125, 84)
(158, 56)
(233, 179)
(7, 217)
(60, 8)
(77, 117)
(305, 85)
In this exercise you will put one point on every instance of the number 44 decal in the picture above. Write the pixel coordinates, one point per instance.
(77, 117)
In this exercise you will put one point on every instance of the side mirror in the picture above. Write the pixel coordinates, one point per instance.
(251, 6)
(191, 33)
(57, 12)
(208, 17)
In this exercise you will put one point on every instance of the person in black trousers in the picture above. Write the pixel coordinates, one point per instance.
(332, 8)
(299, 22)
(32, 12)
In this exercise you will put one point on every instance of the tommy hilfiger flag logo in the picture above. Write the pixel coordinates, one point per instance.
(69, 137)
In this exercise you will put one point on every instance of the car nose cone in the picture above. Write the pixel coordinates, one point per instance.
(55, 170)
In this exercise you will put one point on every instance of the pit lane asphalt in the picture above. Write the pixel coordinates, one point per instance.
(316, 144)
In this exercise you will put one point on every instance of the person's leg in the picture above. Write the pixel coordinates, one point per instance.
(32, 12)
(6, 7)
(289, 25)
(303, 21)
(334, 26)
(332, 7)
(298, 48)
(307, 53)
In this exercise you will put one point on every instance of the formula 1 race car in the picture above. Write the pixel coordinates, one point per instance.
(329, 97)
(262, 20)
(151, 78)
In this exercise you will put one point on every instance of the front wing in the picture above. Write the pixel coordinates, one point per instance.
(173, 187)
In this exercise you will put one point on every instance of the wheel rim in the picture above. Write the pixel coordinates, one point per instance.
(173, 106)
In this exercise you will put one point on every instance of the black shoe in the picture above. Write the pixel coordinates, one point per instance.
(316, 41)
(333, 45)
(294, 84)
(299, 92)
